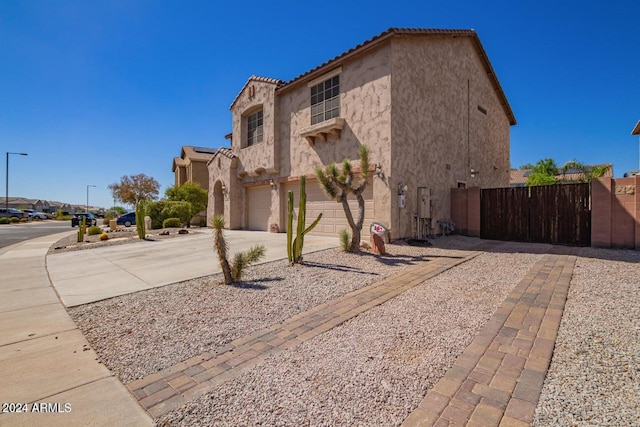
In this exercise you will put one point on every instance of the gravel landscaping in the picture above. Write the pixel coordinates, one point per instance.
(375, 368)
(119, 237)
(594, 377)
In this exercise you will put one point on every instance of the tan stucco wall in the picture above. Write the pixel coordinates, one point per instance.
(432, 145)
(199, 173)
(261, 155)
(223, 169)
(365, 100)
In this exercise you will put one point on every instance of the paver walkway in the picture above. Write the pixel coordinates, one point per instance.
(166, 390)
(498, 379)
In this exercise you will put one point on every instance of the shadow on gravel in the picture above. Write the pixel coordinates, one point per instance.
(342, 268)
(256, 284)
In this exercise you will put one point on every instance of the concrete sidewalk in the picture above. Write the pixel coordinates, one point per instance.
(45, 361)
(86, 276)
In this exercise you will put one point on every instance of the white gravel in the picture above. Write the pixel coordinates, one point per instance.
(373, 369)
(376, 368)
(594, 377)
(138, 334)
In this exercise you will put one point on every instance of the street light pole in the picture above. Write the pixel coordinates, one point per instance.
(6, 194)
(88, 196)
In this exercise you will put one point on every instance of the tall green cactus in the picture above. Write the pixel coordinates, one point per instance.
(294, 251)
(82, 229)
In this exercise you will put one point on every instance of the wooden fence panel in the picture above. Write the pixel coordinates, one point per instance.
(556, 214)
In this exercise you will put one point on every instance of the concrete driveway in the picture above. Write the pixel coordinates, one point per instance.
(91, 275)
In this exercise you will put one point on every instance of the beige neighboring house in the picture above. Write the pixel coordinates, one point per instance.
(191, 166)
(426, 102)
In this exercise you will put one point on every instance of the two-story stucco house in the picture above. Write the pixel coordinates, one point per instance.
(191, 166)
(426, 102)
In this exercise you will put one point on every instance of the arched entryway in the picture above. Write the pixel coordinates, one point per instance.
(218, 199)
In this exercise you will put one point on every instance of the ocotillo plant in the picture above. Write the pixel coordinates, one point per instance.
(294, 250)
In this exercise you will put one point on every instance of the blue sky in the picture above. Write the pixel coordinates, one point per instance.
(94, 90)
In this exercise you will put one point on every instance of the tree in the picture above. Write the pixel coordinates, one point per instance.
(338, 185)
(586, 173)
(526, 166)
(134, 189)
(189, 192)
(544, 172)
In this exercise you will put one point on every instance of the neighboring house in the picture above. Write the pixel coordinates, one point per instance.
(191, 166)
(19, 203)
(426, 102)
(519, 177)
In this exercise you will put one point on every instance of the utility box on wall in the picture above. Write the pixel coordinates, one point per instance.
(424, 202)
(402, 201)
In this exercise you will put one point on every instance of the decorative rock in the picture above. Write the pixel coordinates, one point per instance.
(164, 233)
(377, 244)
(183, 231)
(273, 228)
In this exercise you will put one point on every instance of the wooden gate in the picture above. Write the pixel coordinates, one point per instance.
(557, 214)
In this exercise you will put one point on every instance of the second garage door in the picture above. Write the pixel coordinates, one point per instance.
(333, 218)
(258, 207)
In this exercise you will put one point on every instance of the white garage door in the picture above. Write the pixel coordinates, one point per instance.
(258, 207)
(333, 218)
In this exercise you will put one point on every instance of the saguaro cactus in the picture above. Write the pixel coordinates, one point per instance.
(294, 250)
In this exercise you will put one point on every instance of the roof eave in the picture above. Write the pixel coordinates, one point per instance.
(636, 130)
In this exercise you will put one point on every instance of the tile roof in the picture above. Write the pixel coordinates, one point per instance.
(636, 129)
(223, 151)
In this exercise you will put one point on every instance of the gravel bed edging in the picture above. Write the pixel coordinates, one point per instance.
(594, 375)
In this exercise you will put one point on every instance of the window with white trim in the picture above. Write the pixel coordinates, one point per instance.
(254, 128)
(325, 100)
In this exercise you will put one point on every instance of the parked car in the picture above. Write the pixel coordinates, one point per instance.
(76, 219)
(35, 214)
(12, 213)
(127, 219)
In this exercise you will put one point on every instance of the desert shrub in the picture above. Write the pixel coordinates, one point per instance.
(93, 230)
(104, 236)
(345, 243)
(171, 222)
(24, 219)
(4, 220)
(14, 220)
(163, 209)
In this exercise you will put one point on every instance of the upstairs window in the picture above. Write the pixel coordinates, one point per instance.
(325, 100)
(254, 128)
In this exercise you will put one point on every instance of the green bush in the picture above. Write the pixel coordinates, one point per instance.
(4, 220)
(171, 223)
(163, 209)
(93, 230)
(14, 220)
(24, 219)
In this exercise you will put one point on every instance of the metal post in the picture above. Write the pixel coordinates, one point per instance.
(88, 197)
(6, 194)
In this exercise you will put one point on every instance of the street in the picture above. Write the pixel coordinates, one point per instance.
(15, 233)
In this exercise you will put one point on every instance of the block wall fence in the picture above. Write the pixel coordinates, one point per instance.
(615, 212)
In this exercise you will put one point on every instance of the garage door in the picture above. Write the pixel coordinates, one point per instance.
(258, 207)
(333, 218)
